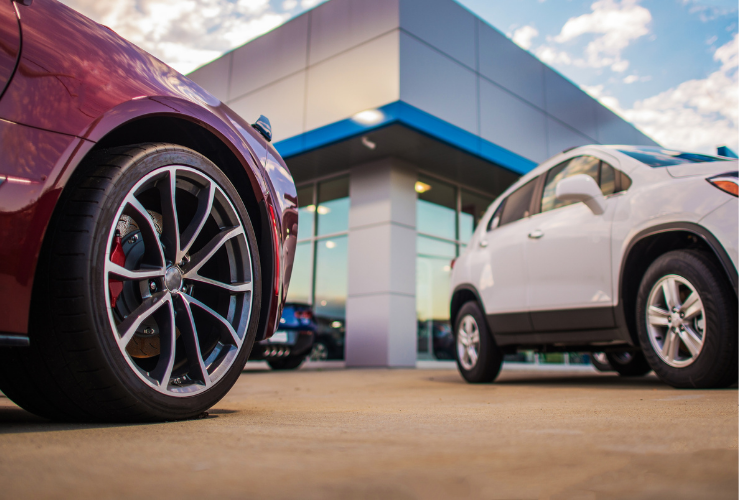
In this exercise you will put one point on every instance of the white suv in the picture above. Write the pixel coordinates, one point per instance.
(615, 249)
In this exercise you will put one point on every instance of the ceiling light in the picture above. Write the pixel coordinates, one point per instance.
(330, 244)
(422, 187)
(311, 208)
(369, 117)
(322, 210)
(367, 143)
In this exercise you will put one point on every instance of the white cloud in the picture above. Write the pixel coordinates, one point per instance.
(697, 115)
(631, 79)
(184, 33)
(289, 4)
(614, 25)
(524, 36)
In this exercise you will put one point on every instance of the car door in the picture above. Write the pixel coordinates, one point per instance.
(501, 268)
(10, 42)
(568, 254)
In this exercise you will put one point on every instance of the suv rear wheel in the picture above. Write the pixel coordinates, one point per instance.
(478, 358)
(687, 321)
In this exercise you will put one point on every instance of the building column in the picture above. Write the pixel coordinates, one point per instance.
(381, 299)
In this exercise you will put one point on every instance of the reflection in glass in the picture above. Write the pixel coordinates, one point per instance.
(433, 273)
(587, 165)
(436, 208)
(473, 208)
(607, 179)
(306, 212)
(301, 281)
(331, 278)
(333, 206)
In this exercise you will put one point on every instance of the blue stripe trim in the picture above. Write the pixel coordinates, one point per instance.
(412, 117)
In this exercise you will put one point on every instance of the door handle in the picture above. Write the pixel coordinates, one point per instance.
(483, 243)
(536, 234)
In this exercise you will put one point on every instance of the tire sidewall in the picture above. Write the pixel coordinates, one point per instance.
(157, 402)
(489, 359)
(689, 265)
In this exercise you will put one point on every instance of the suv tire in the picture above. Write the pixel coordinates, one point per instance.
(478, 357)
(686, 315)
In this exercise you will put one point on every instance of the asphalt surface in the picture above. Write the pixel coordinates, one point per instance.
(387, 434)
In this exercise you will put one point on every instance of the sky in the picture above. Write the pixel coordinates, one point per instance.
(667, 66)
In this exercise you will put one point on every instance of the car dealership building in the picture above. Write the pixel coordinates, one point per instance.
(400, 120)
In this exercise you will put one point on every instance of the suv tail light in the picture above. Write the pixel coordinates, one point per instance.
(451, 266)
(726, 182)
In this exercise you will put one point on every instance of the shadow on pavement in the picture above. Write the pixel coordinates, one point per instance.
(16, 420)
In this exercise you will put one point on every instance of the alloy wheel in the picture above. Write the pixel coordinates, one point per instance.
(676, 321)
(178, 280)
(468, 342)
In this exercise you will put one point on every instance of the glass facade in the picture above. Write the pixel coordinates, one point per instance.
(446, 217)
(320, 270)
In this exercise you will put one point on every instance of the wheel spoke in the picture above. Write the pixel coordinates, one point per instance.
(230, 287)
(224, 323)
(672, 294)
(475, 337)
(170, 224)
(671, 346)
(658, 317)
(472, 353)
(148, 307)
(162, 373)
(138, 213)
(205, 205)
(692, 306)
(133, 275)
(691, 340)
(191, 341)
(203, 256)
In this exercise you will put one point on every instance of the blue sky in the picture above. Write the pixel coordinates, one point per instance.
(668, 66)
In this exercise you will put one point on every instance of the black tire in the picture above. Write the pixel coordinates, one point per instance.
(288, 363)
(715, 365)
(628, 363)
(600, 362)
(74, 369)
(490, 358)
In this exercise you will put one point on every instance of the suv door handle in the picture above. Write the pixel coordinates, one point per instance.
(483, 243)
(536, 234)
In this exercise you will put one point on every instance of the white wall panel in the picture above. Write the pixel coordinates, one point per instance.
(339, 25)
(270, 57)
(437, 84)
(512, 123)
(213, 77)
(562, 137)
(442, 23)
(508, 65)
(362, 78)
(282, 102)
(569, 103)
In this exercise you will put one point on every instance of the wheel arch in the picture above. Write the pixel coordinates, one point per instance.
(461, 295)
(648, 245)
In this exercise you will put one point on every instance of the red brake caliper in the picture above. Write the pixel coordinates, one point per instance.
(116, 257)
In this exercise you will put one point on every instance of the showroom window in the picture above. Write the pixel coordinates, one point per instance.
(320, 271)
(446, 217)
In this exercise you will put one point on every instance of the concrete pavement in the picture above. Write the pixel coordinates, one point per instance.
(362, 434)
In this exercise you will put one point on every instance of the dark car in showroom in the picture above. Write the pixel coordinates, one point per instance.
(147, 231)
(293, 341)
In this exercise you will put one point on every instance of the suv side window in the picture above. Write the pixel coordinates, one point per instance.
(587, 165)
(608, 178)
(517, 205)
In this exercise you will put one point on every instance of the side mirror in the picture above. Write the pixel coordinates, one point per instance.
(582, 188)
(264, 127)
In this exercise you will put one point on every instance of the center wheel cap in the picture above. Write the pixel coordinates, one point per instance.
(173, 279)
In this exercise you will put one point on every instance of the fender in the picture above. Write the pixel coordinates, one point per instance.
(473, 290)
(697, 230)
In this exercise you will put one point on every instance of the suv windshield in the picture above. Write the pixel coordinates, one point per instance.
(658, 157)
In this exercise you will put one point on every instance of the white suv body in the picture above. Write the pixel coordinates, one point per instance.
(548, 275)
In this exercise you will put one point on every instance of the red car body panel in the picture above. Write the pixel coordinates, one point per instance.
(76, 82)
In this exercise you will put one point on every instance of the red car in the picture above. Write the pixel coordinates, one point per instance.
(147, 232)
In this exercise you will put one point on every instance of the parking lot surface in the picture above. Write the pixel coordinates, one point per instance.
(385, 434)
